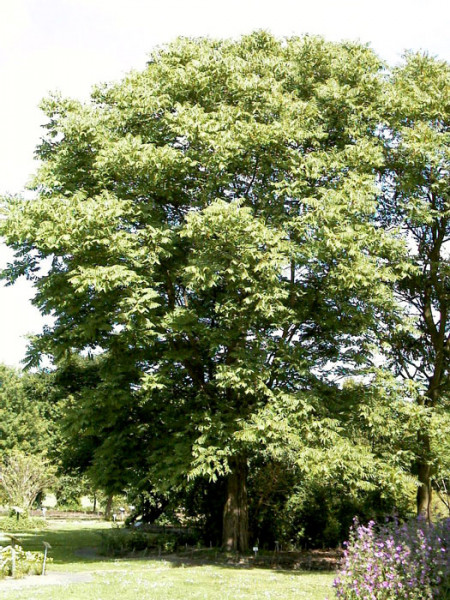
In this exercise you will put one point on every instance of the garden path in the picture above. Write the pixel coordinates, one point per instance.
(48, 579)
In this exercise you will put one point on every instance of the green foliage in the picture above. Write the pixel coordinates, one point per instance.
(415, 199)
(27, 414)
(213, 225)
(69, 490)
(24, 523)
(23, 477)
(306, 507)
(31, 409)
(318, 516)
(119, 542)
(26, 563)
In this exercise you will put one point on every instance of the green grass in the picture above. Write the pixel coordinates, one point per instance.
(152, 579)
(71, 542)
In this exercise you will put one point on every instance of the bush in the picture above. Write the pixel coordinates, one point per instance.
(13, 524)
(118, 542)
(314, 513)
(27, 563)
(407, 562)
(114, 542)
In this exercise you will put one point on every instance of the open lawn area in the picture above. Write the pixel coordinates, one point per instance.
(77, 572)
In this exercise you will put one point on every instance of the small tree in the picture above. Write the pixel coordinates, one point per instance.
(23, 476)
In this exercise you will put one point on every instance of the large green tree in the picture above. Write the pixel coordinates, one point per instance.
(209, 227)
(415, 198)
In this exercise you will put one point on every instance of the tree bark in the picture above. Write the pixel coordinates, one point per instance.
(235, 513)
(424, 491)
(108, 508)
(424, 470)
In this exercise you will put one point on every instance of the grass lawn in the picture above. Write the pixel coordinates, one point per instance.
(145, 578)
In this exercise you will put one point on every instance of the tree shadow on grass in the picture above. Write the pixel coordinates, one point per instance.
(68, 546)
(82, 546)
(296, 566)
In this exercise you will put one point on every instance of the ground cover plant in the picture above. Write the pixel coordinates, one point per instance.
(15, 562)
(73, 551)
(408, 561)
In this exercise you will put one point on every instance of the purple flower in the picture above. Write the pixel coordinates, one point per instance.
(410, 558)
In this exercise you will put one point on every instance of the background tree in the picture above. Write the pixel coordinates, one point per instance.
(32, 409)
(27, 416)
(23, 477)
(98, 444)
(211, 224)
(416, 199)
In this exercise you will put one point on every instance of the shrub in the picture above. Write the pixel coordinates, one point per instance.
(407, 562)
(12, 524)
(114, 542)
(313, 513)
(27, 563)
(118, 542)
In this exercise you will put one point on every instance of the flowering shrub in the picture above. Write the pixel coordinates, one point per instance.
(27, 563)
(407, 562)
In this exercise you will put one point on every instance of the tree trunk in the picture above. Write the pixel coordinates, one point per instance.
(424, 476)
(424, 490)
(235, 513)
(108, 508)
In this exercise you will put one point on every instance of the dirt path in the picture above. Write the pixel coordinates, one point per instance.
(49, 579)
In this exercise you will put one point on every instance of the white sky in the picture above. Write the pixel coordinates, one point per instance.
(69, 45)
